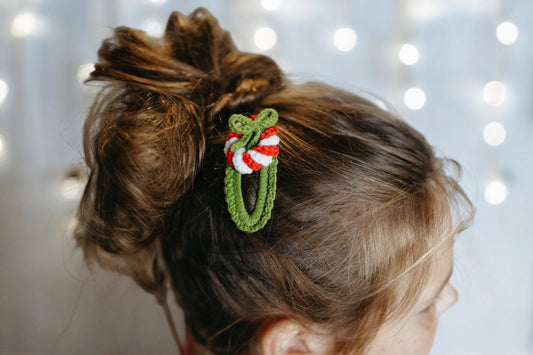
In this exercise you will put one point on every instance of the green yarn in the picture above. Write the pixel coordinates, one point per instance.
(266, 193)
(251, 129)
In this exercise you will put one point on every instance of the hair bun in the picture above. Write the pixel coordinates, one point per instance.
(249, 78)
(195, 59)
(184, 63)
(147, 135)
(239, 79)
(197, 40)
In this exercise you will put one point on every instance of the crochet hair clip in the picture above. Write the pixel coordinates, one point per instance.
(252, 146)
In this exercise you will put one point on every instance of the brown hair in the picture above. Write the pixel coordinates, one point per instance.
(362, 202)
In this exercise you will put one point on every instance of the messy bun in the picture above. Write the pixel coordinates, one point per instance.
(146, 134)
(360, 192)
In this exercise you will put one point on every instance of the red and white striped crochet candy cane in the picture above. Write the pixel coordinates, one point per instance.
(246, 161)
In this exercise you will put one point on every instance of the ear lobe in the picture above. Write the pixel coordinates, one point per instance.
(287, 337)
(284, 337)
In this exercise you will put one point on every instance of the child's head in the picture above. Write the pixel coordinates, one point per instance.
(363, 222)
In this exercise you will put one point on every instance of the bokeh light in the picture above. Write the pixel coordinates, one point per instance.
(495, 192)
(4, 90)
(382, 104)
(1, 146)
(72, 187)
(23, 25)
(494, 93)
(84, 71)
(507, 33)
(345, 39)
(270, 5)
(414, 98)
(494, 134)
(265, 38)
(423, 10)
(69, 225)
(408, 54)
(153, 27)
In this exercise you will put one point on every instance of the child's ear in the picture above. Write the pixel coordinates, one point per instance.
(287, 337)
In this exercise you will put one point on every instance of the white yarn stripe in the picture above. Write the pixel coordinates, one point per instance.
(260, 158)
(272, 140)
(239, 164)
(229, 142)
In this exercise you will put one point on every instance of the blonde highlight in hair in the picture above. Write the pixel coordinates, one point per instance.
(362, 201)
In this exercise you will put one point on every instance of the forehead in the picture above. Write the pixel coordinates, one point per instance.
(440, 271)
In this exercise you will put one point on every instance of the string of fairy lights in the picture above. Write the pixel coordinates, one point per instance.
(494, 93)
(494, 133)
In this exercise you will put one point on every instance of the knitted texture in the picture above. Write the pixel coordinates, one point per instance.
(252, 146)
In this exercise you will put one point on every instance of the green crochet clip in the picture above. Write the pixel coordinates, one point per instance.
(251, 131)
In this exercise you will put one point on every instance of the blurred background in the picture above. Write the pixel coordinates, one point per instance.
(460, 71)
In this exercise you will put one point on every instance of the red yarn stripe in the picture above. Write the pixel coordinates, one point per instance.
(270, 150)
(233, 134)
(229, 157)
(271, 131)
(252, 164)
(253, 117)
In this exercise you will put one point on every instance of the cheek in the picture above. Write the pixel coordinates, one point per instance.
(414, 338)
(421, 329)
(420, 333)
(426, 323)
